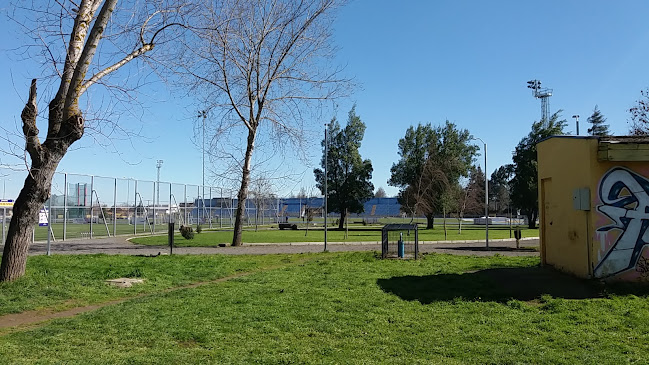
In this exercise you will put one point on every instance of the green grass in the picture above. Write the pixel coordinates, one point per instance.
(62, 281)
(356, 234)
(352, 308)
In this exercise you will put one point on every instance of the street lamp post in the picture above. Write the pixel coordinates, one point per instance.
(203, 114)
(576, 116)
(486, 193)
(325, 186)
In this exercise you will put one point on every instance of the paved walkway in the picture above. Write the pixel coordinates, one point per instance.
(121, 246)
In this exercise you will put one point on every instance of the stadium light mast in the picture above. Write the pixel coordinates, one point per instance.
(544, 96)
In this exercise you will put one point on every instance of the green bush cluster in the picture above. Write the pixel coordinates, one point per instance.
(187, 232)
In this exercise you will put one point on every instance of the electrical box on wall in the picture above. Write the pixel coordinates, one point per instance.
(581, 199)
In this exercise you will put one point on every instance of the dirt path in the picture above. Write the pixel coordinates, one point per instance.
(33, 318)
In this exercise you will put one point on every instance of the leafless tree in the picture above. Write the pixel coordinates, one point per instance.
(263, 66)
(380, 193)
(263, 197)
(70, 37)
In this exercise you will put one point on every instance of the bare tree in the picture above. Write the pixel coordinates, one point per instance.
(263, 65)
(70, 35)
(262, 196)
(380, 193)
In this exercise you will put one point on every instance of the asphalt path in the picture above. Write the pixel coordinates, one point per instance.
(121, 246)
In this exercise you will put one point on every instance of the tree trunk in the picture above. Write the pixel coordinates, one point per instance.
(430, 221)
(45, 158)
(243, 190)
(19, 236)
(341, 222)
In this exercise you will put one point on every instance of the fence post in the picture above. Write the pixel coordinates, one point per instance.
(65, 205)
(154, 212)
(210, 209)
(92, 188)
(135, 208)
(115, 209)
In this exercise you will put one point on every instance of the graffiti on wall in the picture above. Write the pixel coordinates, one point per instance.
(622, 228)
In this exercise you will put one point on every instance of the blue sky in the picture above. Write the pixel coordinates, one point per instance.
(416, 61)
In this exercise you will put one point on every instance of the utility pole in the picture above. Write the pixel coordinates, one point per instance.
(325, 185)
(203, 114)
(486, 193)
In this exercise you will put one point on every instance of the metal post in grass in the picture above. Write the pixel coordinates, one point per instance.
(65, 205)
(325, 186)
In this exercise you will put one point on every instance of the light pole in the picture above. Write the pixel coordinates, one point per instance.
(576, 116)
(202, 113)
(158, 166)
(486, 193)
(325, 185)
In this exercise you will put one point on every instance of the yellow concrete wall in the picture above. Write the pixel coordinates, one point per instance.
(564, 164)
(596, 243)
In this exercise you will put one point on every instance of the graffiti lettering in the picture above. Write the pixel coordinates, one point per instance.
(625, 200)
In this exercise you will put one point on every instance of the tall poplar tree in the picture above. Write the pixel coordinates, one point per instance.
(348, 175)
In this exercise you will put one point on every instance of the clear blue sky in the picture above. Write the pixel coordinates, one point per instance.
(417, 61)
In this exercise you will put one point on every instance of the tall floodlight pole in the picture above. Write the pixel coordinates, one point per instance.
(486, 193)
(544, 96)
(576, 116)
(326, 155)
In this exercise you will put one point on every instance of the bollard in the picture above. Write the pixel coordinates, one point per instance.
(171, 238)
(517, 235)
(401, 247)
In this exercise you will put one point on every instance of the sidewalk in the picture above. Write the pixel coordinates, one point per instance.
(121, 246)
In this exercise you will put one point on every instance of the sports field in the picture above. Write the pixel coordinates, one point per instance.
(354, 234)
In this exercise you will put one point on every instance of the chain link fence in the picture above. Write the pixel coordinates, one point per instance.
(87, 206)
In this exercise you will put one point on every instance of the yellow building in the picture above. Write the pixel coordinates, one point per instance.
(594, 206)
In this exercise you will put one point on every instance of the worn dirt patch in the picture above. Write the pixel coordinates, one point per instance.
(35, 317)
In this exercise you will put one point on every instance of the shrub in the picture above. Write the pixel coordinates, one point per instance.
(187, 232)
(199, 229)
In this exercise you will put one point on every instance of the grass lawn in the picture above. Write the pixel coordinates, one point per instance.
(63, 281)
(353, 308)
(356, 234)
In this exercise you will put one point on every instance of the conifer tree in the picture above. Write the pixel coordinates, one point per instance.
(597, 120)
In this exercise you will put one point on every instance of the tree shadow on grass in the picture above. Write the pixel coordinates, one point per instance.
(499, 285)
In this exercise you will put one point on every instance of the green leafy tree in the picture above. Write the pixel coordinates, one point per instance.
(432, 160)
(597, 120)
(524, 184)
(348, 175)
